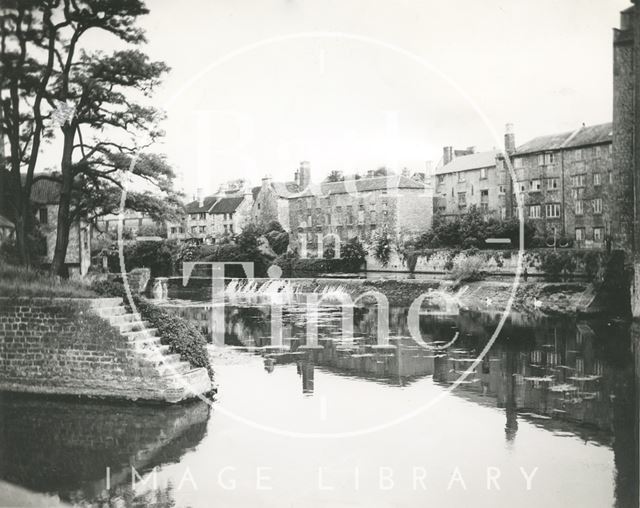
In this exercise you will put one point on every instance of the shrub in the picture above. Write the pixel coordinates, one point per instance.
(353, 253)
(180, 335)
(556, 264)
(382, 249)
(468, 269)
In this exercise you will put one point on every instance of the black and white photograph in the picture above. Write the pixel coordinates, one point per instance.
(319, 253)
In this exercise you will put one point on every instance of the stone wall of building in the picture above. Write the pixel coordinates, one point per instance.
(63, 346)
(623, 130)
(483, 188)
(345, 215)
(570, 193)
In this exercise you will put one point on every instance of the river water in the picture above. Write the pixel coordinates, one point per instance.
(547, 418)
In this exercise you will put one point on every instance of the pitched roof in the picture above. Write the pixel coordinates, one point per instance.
(367, 185)
(226, 205)
(285, 189)
(472, 161)
(583, 136)
(45, 192)
(196, 207)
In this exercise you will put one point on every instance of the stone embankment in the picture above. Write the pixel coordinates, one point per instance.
(89, 347)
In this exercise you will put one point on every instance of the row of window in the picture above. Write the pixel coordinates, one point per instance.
(579, 154)
(598, 234)
(199, 229)
(203, 216)
(553, 210)
(329, 219)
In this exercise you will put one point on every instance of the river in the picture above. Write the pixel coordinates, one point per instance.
(548, 417)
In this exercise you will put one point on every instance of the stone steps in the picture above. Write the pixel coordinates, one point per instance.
(143, 338)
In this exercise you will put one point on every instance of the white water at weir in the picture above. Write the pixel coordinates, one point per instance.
(280, 291)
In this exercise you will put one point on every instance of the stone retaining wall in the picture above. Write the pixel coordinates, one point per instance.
(71, 347)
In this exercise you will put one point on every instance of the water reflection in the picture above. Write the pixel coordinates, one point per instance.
(64, 447)
(567, 376)
(546, 382)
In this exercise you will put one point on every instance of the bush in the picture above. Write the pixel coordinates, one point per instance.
(159, 257)
(180, 335)
(353, 253)
(382, 249)
(555, 264)
(468, 269)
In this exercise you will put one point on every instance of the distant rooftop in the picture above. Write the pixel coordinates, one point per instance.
(468, 162)
(368, 185)
(583, 136)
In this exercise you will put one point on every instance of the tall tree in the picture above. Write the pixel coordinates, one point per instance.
(99, 101)
(28, 36)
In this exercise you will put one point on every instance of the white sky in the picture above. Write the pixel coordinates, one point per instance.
(544, 65)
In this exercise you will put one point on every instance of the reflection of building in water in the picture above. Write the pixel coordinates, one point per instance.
(306, 370)
(65, 447)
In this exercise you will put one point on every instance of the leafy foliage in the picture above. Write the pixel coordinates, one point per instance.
(471, 230)
(180, 335)
(382, 248)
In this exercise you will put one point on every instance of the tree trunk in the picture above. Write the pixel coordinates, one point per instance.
(58, 266)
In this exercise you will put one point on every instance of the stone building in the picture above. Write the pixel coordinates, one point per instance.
(361, 208)
(271, 199)
(45, 196)
(471, 179)
(133, 224)
(467, 179)
(566, 183)
(211, 218)
(625, 112)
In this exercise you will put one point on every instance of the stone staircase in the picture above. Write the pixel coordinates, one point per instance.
(143, 340)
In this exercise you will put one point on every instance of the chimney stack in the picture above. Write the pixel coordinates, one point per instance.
(199, 196)
(509, 139)
(447, 155)
(304, 174)
(471, 149)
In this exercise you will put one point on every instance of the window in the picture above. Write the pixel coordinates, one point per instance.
(552, 210)
(462, 199)
(173, 231)
(553, 183)
(231, 228)
(610, 176)
(545, 159)
(579, 234)
(484, 200)
(579, 207)
(483, 173)
(517, 163)
(523, 187)
(503, 212)
(577, 193)
(440, 179)
(534, 211)
(597, 234)
(535, 186)
(461, 176)
(43, 216)
(577, 155)
(596, 179)
(578, 180)
(194, 230)
(202, 229)
(597, 205)
(203, 216)
(502, 189)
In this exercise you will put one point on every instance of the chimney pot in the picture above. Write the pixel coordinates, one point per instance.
(447, 155)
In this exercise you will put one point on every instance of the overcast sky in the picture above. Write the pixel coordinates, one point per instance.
(380, 82)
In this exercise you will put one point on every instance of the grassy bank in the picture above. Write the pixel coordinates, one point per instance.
(20, 281)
